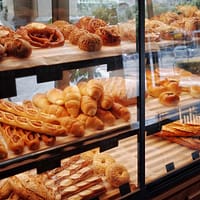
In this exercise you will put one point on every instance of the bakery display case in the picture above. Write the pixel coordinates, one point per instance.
(99, 106)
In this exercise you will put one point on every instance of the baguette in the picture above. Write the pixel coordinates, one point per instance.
(120, 112)
(13, 138)
(32, 113)
(88, 105)
(72, 100)
(32, 125)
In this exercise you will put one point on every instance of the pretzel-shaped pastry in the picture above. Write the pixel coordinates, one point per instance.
(41, 35)
(32, 125)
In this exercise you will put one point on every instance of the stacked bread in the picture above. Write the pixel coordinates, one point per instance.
(186, 134)
(83, 106)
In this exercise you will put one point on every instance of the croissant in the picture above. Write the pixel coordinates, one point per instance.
(73, 126)
(91, 122)
(106, 101)
(72, 100)
(106, 116)
(88, 105)
(40, 100)
(120, 111)
(55, 96)
(57, 110)
(83, 88)
(94, 89)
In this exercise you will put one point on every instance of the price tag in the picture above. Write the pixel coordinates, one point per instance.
(124, 189)
(108, 144)
(195, 155)
(170, 166)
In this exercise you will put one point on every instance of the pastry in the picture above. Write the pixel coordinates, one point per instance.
(90, 42)
(120, 112)
(88, 105)
(109, 35)
(106, 116)
(40, 100)
(13, 138)
(195, 91)
(83, 22)
(169, 99)
(5, 189)
(73, 126)
(155, 91)
(3, 151)
(117, 174)
(47, 139)
(55, 96)
(94, 24)
(91, 122)
(75, 34)
(72, 97)
(101, 162)
(106, 101)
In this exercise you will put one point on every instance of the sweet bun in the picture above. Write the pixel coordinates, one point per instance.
(90, 42)
(117, 174)
(169, 98)
(101, 162)
(195, 91)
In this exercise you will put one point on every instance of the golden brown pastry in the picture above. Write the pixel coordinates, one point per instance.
(90, 42)
(94, 24)
(83, 88)
(18, 47)
(169, 98)
(29, 112)
(67, 29)
(5, 189)
(195, 91)
(57, 110)
(106, 101)
(117, 174)
(13, 138)
(37, 126)
(88, 105)
(155, 91)
(60, 23)
(83, 22)
(41, 35)
(91, 122)
(31, 188)
(14, 196)
(48, 140)
(40, 100)
(3, 151)
(73, 126)
(109, 35)
(55, 96)
(75, 35)
(120, 112)
(72, 97)
(95, 89)
(106, 116)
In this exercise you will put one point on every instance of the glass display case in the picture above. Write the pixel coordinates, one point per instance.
(99, 99)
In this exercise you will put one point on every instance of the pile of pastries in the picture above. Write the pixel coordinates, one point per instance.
(76, 178)
(172, 25)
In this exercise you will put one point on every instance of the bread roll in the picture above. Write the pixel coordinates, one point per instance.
(88, 105)
(40, 100)
(155, 91)
(72, 100)
(169, 99)
(91, 122)
(55, 96)
(120, 112)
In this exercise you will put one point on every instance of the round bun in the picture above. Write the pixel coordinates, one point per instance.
(173, 86)
(195, 91)
(169, 99)
(101, 162)
(83, 22)
(109, 35)
(155, 91)
(89, 155)
(94, 24)
(117, 175)
(90, 42)
(75, 34)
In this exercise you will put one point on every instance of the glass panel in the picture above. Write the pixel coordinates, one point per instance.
(172, 73)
